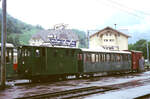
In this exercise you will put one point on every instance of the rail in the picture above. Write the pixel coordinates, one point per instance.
(71, 93)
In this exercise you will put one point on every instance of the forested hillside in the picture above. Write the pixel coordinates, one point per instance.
(82, 38)
(18, 32)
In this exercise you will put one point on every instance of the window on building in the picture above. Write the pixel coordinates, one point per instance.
(105, 40)
(106, 34)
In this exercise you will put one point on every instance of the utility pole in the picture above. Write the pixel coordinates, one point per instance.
(3, 45)
(147, 51)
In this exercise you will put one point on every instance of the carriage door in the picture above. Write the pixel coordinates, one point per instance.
(80, 62)
(39, 60)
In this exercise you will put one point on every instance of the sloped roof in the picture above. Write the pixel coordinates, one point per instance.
(60, 33)
(7, 45)
(110, 29)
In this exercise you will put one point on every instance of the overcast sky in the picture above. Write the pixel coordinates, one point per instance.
(80, 14)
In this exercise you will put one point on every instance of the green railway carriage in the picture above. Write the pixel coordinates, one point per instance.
(10, 72)
(44, 62)
(96, 61)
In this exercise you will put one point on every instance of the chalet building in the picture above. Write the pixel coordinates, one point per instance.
(55, 37)
(110, 39)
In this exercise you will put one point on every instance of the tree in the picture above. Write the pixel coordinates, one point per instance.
(82, 38)
(140, 46)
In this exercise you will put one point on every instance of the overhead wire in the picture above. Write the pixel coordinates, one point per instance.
(129, 8)
(124, 8)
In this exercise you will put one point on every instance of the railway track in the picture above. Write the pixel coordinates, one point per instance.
(73, 93)
(79, 92)
(147, 96)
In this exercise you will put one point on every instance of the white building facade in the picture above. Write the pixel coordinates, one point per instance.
(109, 39)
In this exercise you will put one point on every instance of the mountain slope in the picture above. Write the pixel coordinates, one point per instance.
(18, 32)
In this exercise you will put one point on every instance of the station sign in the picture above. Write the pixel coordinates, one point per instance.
(60, 42)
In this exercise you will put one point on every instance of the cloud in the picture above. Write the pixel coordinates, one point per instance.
(143, 27)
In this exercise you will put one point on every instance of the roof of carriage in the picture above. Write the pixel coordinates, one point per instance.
(104, 51)
(59, 47)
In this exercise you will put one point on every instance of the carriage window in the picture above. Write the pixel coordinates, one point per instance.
(121, 57)
(88, 57)
(107, 57)
(22, 53)
(26, 52)
(112, 57)
(85, 57)
(118, 57)
(124, 57)
(8, 56)
(79, 56)
(15, 58)
(29, 54)
(37, 53)
(93, 57)
(99, 57)
(96, 58)
(104, 57)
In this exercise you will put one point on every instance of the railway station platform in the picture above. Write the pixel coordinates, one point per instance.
(131, 93)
